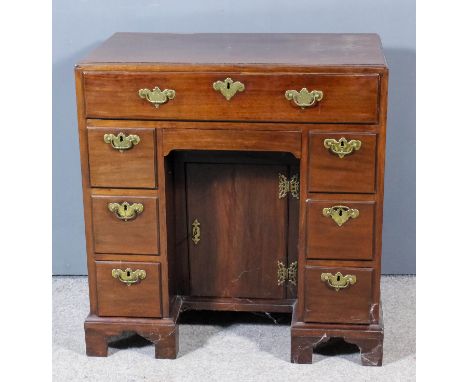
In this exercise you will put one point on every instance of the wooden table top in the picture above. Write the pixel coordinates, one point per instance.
(291, 49)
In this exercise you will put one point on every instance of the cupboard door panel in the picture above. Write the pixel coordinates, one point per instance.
(243, 229)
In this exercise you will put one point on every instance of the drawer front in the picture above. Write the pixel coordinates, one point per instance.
(128, 289)
(122, 157)
(346, 98)
(331, 236)
(334, 298)
(342, 162)
(133, 230)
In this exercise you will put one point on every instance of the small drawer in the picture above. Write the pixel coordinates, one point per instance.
(128, 289)
(338, 295)
(125, 224)
(342, 162)
(341, 229)
(122, 158)
(248, 97)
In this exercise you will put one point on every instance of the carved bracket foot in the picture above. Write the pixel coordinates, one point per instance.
(164, 334)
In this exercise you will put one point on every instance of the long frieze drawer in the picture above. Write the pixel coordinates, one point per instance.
(339, 228)
(232, 96)
(125, 224)
(338, 295)
(342, 162)
(128, 289)
(122, 158)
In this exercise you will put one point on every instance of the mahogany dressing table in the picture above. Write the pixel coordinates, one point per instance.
(234, 172)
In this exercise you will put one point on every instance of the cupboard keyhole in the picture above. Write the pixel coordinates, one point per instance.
(341, 143)
(228, 86)
(338, 278)
(121, 139)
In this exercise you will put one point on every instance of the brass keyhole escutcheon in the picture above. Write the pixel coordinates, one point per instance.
(342, 147)
(338, 281)
(129, 276)
(121, 141)
(196, 232)
(125, 211)
(228, 88)
(340, 214)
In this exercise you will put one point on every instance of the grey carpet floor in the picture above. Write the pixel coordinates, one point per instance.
(222, 346)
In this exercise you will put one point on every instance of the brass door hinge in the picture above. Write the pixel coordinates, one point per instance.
(285, 186)
(287, 273)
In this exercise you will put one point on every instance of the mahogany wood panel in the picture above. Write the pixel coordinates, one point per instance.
(306, 49)
(137, 236)
(351, 305)
(238, 304)
(240, 126)
(352, 173)
(133, 168)
(347, 98)
(243, 227)
(116, 298)
(354, 240)
(187, 139)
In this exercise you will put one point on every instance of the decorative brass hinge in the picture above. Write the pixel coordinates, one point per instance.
(285, 186)
(287, 273)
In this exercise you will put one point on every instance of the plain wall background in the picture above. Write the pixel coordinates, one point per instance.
(80, 25)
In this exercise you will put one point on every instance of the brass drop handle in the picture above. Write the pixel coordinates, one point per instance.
(228, 88)
(157, 96)
(196, 232)
(125, 211)
(128, 276)
(338, 281)
(340, 214)
(303, 98)
(121, 141)
(342, 147)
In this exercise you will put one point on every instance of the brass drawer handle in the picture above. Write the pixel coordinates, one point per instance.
(157, 96)
(196, 232)
(304, 98)
(125, 211)
(228, 88)
(342, 147)
(128, 276)
(338, 281)
(122, 142)
(340, 214)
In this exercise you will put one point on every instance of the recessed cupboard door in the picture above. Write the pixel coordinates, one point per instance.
(237, 229)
